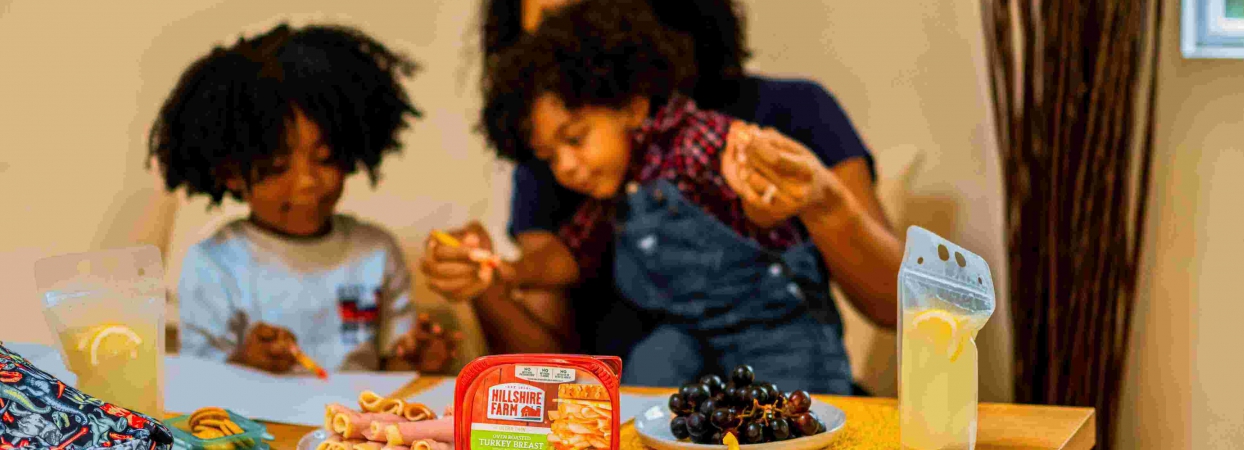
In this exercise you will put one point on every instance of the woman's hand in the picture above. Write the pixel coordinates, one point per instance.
(464, 272)
(777, 177)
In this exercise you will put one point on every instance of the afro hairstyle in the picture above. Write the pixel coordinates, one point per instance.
(717, 28)
(230, 113)
(588, 53)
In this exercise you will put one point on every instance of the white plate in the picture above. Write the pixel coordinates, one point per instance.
(312, 439)
(654, 430)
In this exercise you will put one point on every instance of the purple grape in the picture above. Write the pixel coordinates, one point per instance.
(697, 424)
(678, 405)
(678, 427)
(798, 402)
(695, 394)
(713, 383)
(743, 375)
(753, 433)
(780, 428)
(722, 418)
(760, 394)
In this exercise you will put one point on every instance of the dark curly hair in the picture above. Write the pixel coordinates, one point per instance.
(229, 113)
(590, 53)
(717, 27)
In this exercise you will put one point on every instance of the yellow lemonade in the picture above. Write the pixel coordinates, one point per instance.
(115, 349)
(938, 379)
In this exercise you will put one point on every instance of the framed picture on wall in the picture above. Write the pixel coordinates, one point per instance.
(1212, 29)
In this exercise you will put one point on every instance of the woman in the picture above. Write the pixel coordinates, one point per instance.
(856, 244)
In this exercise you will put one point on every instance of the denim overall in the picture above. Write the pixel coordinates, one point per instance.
(723, 299)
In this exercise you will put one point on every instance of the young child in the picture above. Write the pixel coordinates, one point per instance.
(279, 121)
(594, 94)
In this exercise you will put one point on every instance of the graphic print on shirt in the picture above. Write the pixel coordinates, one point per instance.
(360, 313)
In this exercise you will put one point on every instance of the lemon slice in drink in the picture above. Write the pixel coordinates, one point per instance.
(111, 339)
(943, 328)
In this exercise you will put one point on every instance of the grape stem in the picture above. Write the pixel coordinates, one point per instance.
(779, 407)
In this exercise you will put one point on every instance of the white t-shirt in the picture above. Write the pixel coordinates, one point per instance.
(345, 295)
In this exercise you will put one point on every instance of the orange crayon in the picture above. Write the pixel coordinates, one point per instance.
(483, 256)
(308, 362)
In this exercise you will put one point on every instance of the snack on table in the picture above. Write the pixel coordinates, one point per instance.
(351, 424)
(212, 423)
(428, 444)
(214, 428)
(415, 412)
(583, 416)
(403, 433)
(710, 411)
(373, 403)
(414, 423)
(537, 401)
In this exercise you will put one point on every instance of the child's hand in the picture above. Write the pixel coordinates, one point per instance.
(267, 347)
(463, 273)
(428, 348)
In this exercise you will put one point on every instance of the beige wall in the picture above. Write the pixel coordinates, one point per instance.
(917, 80)
(1183, 381)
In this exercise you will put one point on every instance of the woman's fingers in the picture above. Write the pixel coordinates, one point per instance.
(450, 253)
(768, 190)
(766, 153)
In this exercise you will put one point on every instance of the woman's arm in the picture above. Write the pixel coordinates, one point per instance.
(778, 178)
(535, 321)
(856, 242)
(546, 262)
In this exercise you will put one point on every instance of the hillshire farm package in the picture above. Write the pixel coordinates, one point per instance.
(555, 402)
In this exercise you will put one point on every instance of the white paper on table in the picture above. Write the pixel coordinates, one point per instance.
(192, 383)
(437, 397)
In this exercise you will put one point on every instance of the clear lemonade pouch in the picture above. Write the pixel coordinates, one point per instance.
(946, 295)
(106, 309)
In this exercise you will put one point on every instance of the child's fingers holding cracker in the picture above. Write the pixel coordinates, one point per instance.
(447, 269)
(448, 253)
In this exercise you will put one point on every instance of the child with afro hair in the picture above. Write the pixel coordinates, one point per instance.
(279, 121)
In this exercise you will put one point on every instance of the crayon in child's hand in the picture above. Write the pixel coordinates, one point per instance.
(308, 362)
(481, 256)
(445, 238)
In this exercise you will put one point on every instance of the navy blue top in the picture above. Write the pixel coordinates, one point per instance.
(800, 109)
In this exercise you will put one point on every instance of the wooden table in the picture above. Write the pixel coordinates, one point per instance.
(871, 423)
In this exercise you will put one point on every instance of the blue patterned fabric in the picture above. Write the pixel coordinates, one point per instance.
(38, 411)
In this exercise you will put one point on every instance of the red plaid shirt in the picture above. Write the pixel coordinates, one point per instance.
(682, 144)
